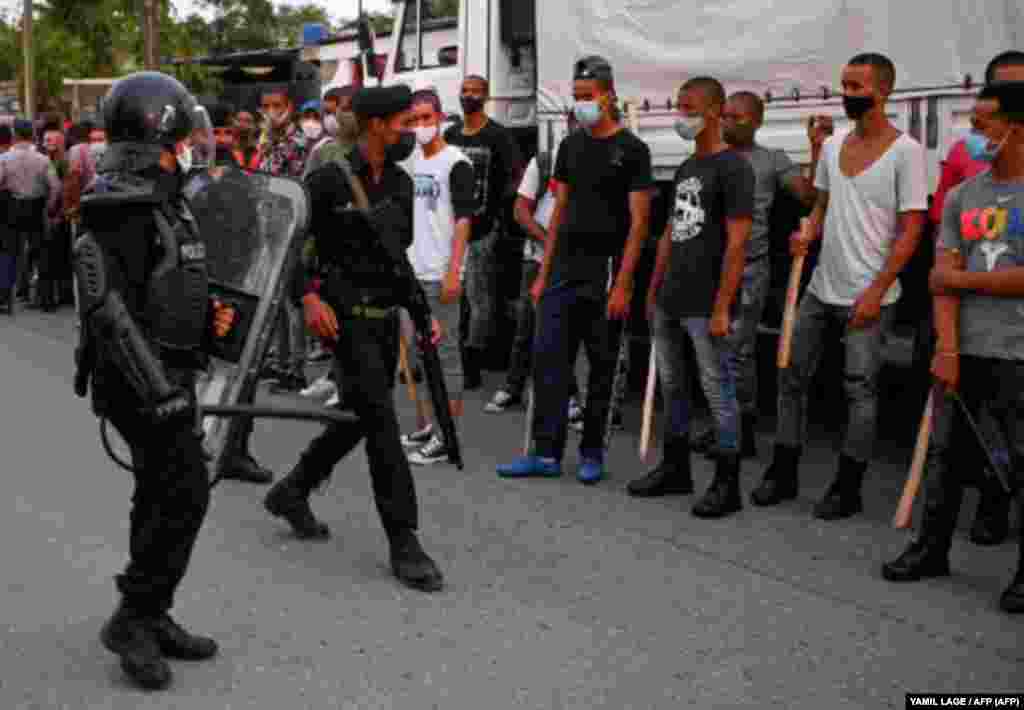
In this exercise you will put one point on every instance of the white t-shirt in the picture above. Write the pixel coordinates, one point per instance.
(528, 188)
(863, 218)
(434, 209)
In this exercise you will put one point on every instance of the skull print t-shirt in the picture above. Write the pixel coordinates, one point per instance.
(984, 220)
(708, 190)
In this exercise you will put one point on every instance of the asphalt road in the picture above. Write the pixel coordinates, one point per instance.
(559, 596)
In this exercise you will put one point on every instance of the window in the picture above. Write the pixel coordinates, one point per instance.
(428, 29)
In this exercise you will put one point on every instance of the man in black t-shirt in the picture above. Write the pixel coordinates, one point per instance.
(693, 291)
(602, 209)
(498, 166)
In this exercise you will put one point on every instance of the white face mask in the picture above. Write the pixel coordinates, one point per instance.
(689, 127)
(185, 159)
(331, 125)
(312, 129)
(425, 134)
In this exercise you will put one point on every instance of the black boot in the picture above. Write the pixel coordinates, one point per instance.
(992, 520)
(671, 477)
(748, 434)
(472, 378)
(176, 642)
(128, 634)
(781, 480)
(843, 499)
(410, 563)
(289, 499)
(723, 496)
(928, 555)
(1012, 601)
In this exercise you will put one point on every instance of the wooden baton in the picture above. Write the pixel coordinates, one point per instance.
(647, 428)
(789, 315)
(410, 383)
(905, 509)
(528, 433)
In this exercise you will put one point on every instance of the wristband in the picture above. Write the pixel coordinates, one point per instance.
(948, 353)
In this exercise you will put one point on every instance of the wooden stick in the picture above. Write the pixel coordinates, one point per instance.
(410, 383)
(647, 428)
(905, 509)
(789, 315)
(528, 435)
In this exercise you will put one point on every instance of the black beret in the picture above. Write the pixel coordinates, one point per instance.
(593, 67)
(379, 102)
(1010, 95)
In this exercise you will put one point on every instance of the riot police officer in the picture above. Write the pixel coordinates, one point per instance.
(146, 320)
(365, 278)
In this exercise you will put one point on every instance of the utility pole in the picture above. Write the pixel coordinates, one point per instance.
(26, 36)
(151, 34)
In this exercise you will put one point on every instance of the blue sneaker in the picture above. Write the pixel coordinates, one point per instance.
(528, 466)
(591, 470)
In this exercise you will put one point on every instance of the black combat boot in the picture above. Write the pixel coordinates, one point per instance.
(411, 565)
(129, 635)
(671, 477)
(472, 377)
(748, 434)
(992, 519)
(843, 499)
(723, 496)
(928, 555)
(781, 479)
(176, 642)
(289, 499)
(1012, 601)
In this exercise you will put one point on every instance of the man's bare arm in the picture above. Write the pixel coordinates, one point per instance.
(523, 211)
(640, 215)
(737, 232)
(911, 225)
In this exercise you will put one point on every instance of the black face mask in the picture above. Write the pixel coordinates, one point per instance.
(402, 149)
(857, 106)
(471, 104)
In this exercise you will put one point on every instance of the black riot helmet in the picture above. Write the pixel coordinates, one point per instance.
(151, 108)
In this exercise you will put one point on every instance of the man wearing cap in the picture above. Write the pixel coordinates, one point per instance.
(978, 286)
(32, 182)
(355, 303)
(601, 214)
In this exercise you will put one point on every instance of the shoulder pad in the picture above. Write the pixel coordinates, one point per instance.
(120, 188)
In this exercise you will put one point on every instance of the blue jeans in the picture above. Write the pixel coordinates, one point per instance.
(717, 375)
(567, 316)
(757, 276)
(860, 374)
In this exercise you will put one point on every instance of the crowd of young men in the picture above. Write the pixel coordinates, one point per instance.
(440, 197)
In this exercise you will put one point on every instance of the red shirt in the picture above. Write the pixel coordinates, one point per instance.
(956, 168)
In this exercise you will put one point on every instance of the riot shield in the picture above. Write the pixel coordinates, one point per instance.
(253, 226)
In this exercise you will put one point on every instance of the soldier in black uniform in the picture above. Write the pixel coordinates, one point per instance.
(146, 321)
(365, 278)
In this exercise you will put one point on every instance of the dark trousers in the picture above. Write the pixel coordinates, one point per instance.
(569, 315)
(172, 494)
(366, 357)
(522, 346)
(954, 456)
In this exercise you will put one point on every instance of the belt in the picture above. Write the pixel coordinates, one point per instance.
(372, 312)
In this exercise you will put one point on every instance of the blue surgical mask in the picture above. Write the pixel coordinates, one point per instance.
(977, 145)
(588, 113)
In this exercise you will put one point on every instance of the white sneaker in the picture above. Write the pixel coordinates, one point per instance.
(433, 452)
(501, 402)
(322, 388)
(418, 438)
(334, 400)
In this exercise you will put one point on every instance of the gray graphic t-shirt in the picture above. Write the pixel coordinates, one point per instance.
(984, 220)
